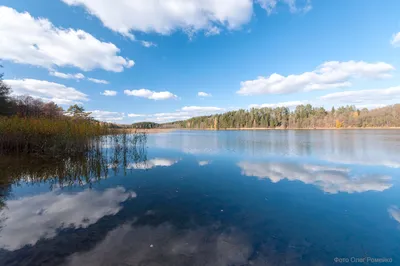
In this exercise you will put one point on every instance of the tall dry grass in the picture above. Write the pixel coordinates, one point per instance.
(108, 155)
(28, 135)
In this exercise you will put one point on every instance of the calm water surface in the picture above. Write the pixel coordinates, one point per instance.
(209, 198)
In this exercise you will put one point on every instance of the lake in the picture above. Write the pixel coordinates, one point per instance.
(319, 197)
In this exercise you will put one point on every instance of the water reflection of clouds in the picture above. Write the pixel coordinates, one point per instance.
(167, 245)
(156, 162)
(204, 163)
(345, 159)
(26, 220)
(394, 211)
(329, 179)
(361, 147)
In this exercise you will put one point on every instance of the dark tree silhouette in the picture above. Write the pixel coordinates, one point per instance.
(5, 101)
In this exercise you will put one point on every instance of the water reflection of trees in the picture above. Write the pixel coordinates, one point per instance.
(113, 153)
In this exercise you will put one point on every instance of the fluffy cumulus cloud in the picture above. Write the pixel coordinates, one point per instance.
(291, 104)
(47, 91)
(165, 17)
(329, 179)
(396, 40)
(109, 93)
(67, 76)
(29, 219)
(36, 41)
(328, 75)
(365, 97)
(203, 94)
(153, 95)
(107, 116)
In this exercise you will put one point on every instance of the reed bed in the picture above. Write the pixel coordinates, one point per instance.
(108, 155)
(45, 136)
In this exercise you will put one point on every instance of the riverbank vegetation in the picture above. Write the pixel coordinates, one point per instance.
(32, 126)
(303, 116)
(112, 155)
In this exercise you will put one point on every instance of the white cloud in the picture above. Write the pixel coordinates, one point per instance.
(181, 114)
(66, 76)
(76, 76)
(274, 105)
(167, 117)
(135, 115)
(148, 44)
(36, 41)
(165, 17)
(48, 91)
(201, 109)
(270, 5)
(212, 31)
(98, 81)
(394, 211)
(396, 40)
(370, 106)
(109, 93)
(204, 94)
(153, 95)
(328, 75)
(106, 116)
(329, 179)
(365, 97)
(149, 164)
(29, 219)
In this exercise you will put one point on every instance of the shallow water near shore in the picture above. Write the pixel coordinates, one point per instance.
(208, 198)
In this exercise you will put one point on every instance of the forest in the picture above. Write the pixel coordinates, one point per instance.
(302, 117)
(145, 125)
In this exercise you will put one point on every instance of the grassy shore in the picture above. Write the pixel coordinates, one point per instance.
(48, 136)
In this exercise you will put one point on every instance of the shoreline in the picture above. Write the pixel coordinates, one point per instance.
(149, 130)
(259, 129)
(166, 130)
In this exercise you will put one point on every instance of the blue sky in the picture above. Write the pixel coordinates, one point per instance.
(141, 60)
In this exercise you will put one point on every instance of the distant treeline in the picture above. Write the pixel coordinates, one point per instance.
(145, 125)
(303, 116)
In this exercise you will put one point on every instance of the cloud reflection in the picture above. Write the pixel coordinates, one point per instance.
(26, 220)
(345, 159)
(329, 179)
(203, 163)
(156, 162)
(167, 245)
(394, 211)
